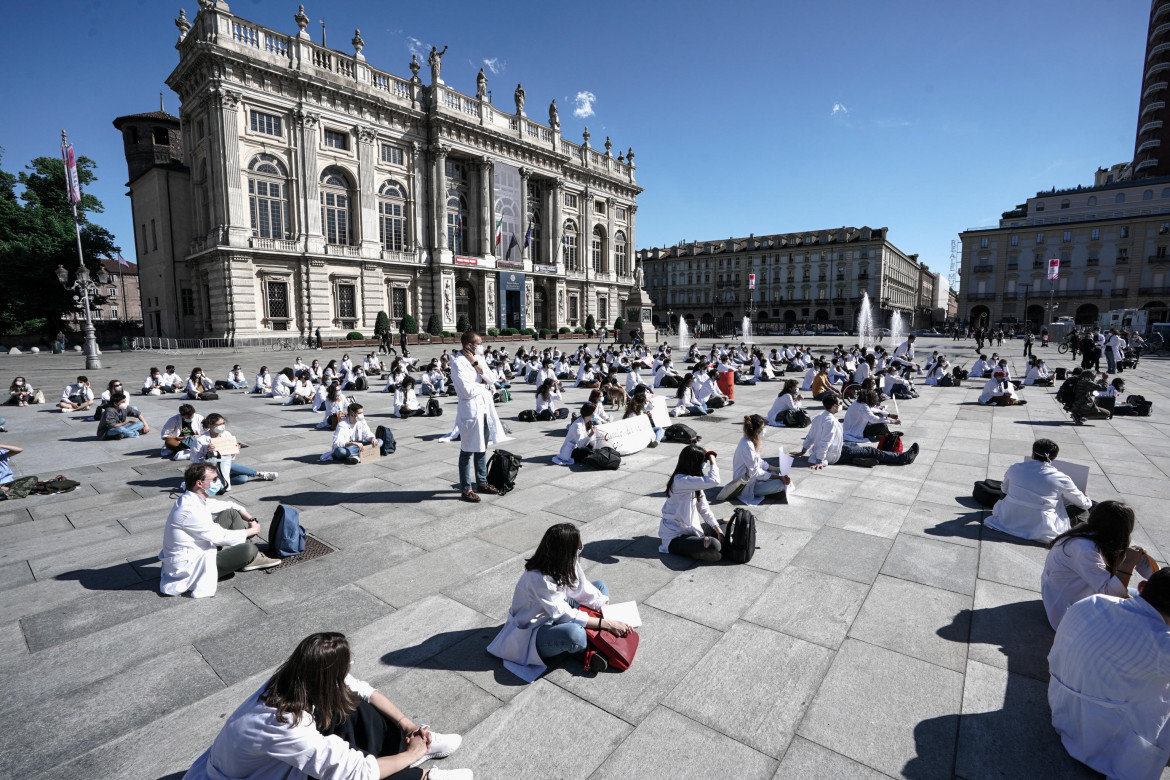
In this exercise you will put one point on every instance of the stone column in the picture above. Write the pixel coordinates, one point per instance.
(320, 294)
(524, 176)
(418, 202)
(487, 222)
(236, 312)
(310, 181)
(585, 239)
(440, 196)
(609, 251)
(237, 221)
(368, 194)
(557, 225)
(630, 237)
(373, 297)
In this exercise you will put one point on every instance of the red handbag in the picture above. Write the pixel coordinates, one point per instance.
(617, 650)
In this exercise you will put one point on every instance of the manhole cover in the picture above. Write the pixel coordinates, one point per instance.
(314, 548)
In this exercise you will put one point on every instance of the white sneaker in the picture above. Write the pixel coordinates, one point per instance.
(262, 561)
(449, 774)
(442, 745)
(183, 455)
(266, 476)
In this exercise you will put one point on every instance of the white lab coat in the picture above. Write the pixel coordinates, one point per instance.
(554, 399)
(348, 434)
(281, 387)
(783, 403)
(980, 368)
(686, 508)
(1033, 506)
(254, 744)
(173, 427)
(1110, 684)
(475, 404)
(857, 416)
(1074, 570)
(747, 462)
(576, 436)
(190, 538)
(940, 370)
(823, 440)
(633, 379)
(995, 387)
(538, 602)
(1034, 373)
(405, 400)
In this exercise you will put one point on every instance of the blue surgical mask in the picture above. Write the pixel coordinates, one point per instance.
(214, 488)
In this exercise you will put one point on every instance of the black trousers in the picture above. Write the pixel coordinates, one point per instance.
(874, 430)
(373, 733)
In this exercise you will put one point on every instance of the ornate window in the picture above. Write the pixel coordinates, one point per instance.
(336, 206)
(346, 301)
(267, 196)
(456, 221)
(535, 227)
(392, 216)
(572, 262)
(597, 248)
(620, 251)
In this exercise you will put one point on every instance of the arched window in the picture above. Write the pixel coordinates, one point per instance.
(1120, 198)
(620, 254)
(267, 196)
(392, 216)
(1064, 204)
(1166, 192)
(336, 206)
(456, 221)
(572, 262)
(597, 248)
(1148, 195)
(1092, 200)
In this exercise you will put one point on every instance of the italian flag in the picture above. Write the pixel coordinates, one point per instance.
(500, 231)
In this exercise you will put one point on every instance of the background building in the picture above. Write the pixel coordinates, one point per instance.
(300, 188)
(123, 302)
(1151, 151)
(811, 278)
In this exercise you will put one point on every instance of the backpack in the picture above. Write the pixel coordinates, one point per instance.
(286, 537)
(451, 390)
(891, 442)
(57, 484)
(946, 381)
(797, 418)
(987, 492)
(1066, 393)
(619, 651)
(208, 396)
(604, 459)
(684, 434)
(434, 408)
(389, 446)
(502, 469)
(527, 415)
(739, 543)
(1141, 407)
(502, 396)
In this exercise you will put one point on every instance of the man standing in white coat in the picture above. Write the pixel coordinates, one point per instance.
(1035, 496)
(196, 526)
(1110, 681)
(473, 383)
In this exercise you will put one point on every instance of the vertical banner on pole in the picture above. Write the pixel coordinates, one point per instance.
(1054, 268)
(72, 186)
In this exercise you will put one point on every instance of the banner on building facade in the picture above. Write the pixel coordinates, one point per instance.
(751, 281)
(507, 214)
(1054, 268)
(544, 269)
(461, 260)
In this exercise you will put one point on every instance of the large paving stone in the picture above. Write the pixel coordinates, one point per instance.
(667, 744)
(540, 718)
(776, 676)
(815, 607)
(1009, 630)
(954, 525)
(886, 710)
(880, 518)
(805, 759)
(854, 556)
(906, 617)
(100, 611)
(59, 538)
(14, 574)
(932, 562)
(1011, 561)
(12, 643)
(424, 575)
(714, 595)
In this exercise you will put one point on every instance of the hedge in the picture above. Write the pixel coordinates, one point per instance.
(410, 325)
(353, 335)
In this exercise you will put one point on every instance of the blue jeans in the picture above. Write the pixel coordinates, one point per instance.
(557, 638)
(658, 433)
(466, 473)
(769, 487)
(129, 429)
(241, 473)
(351, 450)
(851, 451)
(699, 408)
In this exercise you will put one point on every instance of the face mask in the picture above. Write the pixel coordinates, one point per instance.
(188, 420)
(219, 429)
(19, 383)
(117, 388)
(361, 418)
(124, 406)
(214, 488)
(479, 350)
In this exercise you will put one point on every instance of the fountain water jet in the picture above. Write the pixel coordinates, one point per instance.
(865, 323)
(747, 330)
(897, 329)
(684, 334)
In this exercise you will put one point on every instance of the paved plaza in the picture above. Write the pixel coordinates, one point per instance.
(879, 631)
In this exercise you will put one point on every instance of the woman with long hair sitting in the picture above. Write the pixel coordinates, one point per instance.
(596, 396)
(758, 478)
(544, 620)
(686, 400)
(579, 435)
(312, 718)
(688, 527)
(204, 449)
(787, 400)
(1093, 557)
(547, 397)
(406, 400)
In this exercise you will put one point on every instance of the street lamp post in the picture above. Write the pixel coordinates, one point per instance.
(86, 288)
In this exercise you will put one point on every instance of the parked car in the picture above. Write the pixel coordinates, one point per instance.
(833, 332)
(926, 332)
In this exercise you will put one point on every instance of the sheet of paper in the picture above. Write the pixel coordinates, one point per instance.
(1077, 472)
(626, 612)
(785, 462)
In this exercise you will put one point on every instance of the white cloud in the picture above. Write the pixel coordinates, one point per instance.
(494, 65)
(583, 104)
(421, 48)
(839, 110)
(889, 124)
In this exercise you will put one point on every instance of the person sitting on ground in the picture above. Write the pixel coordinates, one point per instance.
(218, 448)
(393, 376)
(236, 380)
(982, 367)
(7, 477)
(940, 369)
(263, 383)
(303, 391)
(335, 406)
(372, 366)
(320, 396)
(1035, 496)
(788, 400)
(198, 384)
(432, 381)
(153, 384)
(179, 433)
(1108, 399)
(1038, 374)
(600, 417)
(1110, 681)
(282, 385)
(759, 480)
(898, 384)
(351, 435)
(866, 419)
(173, 382)
(688, 526)
(1093, 557)
(998, 391)
(20, 392)
(406, 402)
(313, 718)
(825, 444)
(548, 397)
(685, 400)
(666, 376)
(1084, 403)
(77, 397)
(197, 525)
(332, 371)
(315, 370)
(544, 621)
(636, 406)
(120, 420)
(865, 369)
(299, 367)
(820, 382)
(355, 379)
(578, 436)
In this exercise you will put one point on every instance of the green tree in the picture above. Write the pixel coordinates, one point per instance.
(434, 324)
(463, 324)
(410, 325)
(381, 324)
(590, 324)
(37, 235)
(619, 325)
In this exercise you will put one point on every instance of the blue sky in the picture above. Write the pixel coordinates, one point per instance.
(746, 117)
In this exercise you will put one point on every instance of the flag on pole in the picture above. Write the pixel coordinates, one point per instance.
(459, 225)
(1054, 268)
(751, 281)
(499, 231)
(123, 261)
(528, 236)
(72, 186)
(513, 244)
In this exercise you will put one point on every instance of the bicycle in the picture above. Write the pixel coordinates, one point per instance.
(285, 344)
(1063, 348)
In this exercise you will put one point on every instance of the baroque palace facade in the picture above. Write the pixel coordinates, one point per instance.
(300, 188)
(813, 278)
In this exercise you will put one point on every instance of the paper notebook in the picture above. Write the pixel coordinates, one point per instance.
(626, 612)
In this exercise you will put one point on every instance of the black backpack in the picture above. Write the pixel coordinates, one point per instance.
(987, 492)
(434, 408)
(527, 415)
(388, 443)
(502, 469)
(683, 434)
(604, 459)
(1141, 407)
(797, 418)
(739, 543)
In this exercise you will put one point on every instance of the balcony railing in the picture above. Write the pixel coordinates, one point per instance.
(277, 244)
(983, 296)
(1093, 261)
(1154, 291)
(984, 269)
(1119, 293)
(343, 250)
(1158, 259)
